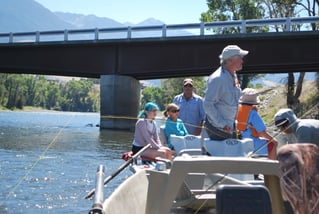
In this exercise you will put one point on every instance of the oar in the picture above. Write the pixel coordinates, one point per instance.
(115, 173)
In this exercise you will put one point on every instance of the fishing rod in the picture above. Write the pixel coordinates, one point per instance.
(116, 172)
(272, 138)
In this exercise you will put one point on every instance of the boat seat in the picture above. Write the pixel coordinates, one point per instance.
(232, 199)
(229, 147)
(189, 144)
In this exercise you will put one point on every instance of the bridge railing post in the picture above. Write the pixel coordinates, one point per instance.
(96, 34)
(202, 29)
(37, 36)
(164, 29)
(243, 26)
(66, 35)
(288, 24)
(11, 37)
(129, 32)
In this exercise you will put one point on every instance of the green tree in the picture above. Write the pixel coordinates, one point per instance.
(31, 87)
(3, 89)
(153, 94)
(16, 91)
(77, 93)
(41, 92)
(53, 97)
(227, 10)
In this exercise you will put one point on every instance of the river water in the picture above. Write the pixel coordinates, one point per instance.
(49, 159)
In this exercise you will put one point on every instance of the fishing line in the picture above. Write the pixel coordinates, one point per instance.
(272, 138)
(38, 159)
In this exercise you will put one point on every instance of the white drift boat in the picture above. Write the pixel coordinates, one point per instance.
(196, 184)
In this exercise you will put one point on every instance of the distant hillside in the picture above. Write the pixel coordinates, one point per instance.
(88, 21)
(28, 15)
(150, 21)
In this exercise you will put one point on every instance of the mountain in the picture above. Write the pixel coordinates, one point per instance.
(28, 15)
(150, 22)
(88, 21)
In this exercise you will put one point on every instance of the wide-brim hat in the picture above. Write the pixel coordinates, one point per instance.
(249, 96)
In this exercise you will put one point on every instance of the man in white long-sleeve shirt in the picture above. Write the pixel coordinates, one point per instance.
(222, 95)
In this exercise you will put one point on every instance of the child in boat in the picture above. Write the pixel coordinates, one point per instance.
(146, 133)
(251, 125)
(173, 124)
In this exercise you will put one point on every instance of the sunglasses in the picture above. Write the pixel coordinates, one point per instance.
(188, 86)
(174, 111)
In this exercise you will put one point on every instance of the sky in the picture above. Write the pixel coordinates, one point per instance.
(133, 11)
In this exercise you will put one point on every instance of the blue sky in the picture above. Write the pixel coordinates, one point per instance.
(134, 11)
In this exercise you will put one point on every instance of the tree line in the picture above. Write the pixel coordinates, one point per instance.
(20, 90)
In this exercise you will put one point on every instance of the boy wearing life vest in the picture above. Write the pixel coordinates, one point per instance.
(251, 125)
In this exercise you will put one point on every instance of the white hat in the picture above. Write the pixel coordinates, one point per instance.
(232, 50)
(249, 96)
(188, 81)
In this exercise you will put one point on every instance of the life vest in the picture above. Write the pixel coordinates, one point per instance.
(242, 119)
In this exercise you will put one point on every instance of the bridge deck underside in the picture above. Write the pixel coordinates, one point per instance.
(162, 58)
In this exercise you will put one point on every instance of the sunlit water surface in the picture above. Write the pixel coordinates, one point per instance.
(49, 159)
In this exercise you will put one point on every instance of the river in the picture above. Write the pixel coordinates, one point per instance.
(49, 159)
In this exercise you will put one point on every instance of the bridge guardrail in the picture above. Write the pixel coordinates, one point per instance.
(156, 31)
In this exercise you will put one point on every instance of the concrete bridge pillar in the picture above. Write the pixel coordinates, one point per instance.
(120, 98)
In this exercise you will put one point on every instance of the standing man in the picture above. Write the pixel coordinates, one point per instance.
(222, 95)
(191, 108)
(305, 130)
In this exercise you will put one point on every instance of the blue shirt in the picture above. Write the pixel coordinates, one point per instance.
(221, 99)
(191, 111)
(174, 127)
(256, 121)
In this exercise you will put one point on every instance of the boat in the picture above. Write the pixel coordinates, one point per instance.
(194, 182)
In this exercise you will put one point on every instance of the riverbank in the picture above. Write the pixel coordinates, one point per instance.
(275, 98)
(33, 109)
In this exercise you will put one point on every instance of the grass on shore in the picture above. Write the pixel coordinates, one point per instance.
(275, 98)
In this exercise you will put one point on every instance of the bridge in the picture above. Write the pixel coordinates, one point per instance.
(122, 56)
